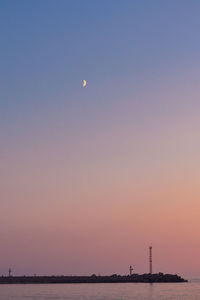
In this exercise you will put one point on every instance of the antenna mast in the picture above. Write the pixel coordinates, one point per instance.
(150, 259)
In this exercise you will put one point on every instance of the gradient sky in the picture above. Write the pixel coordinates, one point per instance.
(90, 177)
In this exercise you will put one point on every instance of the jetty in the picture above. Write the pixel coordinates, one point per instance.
(148, 278)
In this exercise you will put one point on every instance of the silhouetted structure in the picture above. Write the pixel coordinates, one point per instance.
(10, 272)
(115, 278)
(150, 259)
(130, 270)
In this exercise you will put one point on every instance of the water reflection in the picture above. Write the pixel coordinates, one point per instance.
(150, 291)
(126, 291)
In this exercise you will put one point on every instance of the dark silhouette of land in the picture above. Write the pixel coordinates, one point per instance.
(158, 277)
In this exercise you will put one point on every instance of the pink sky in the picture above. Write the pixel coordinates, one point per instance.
(96, 206)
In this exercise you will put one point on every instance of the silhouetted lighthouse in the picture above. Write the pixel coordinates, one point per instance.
(9, 272)
(150, 259)
(130, 270)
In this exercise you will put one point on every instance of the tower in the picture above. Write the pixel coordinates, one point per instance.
(150, 259)
(9, 272)
(130, 270)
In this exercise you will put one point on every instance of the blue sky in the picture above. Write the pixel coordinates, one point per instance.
(48, 47)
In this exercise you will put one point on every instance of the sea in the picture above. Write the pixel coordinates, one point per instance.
(103, 291)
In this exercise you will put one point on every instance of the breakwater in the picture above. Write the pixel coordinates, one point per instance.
(149, 278)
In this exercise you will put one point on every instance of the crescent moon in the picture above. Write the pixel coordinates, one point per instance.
(84, 83)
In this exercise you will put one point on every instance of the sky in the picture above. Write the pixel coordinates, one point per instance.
(90, 177)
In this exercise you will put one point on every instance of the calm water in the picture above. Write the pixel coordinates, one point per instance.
(110, 291)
